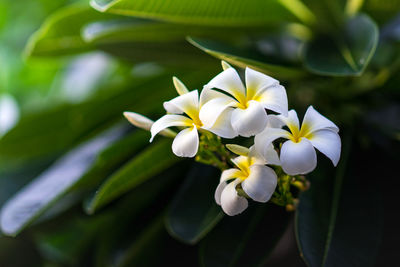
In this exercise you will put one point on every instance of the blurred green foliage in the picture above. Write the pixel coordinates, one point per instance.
(80, 187)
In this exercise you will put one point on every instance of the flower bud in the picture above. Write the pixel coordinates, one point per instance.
(145, 123)
(179, 86)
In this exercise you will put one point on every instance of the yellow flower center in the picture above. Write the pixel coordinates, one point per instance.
(244, 163)
(297, 134)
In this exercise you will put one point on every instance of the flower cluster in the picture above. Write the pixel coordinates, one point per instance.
(282, 151)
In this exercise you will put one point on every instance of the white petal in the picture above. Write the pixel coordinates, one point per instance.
(298, 158)
(274, 98)
(186, 103)
(328, 143)
(242, 162)
(231, 203)
(255, 156)
(229, 174)
(218, 192)
(275, 122)
(186, 143)
(263, 140)
(249, 121)
(180, 87)
(225, 176)
(291, 120)
(256, 82)
(222, 126)
(168, 121)
(261, 183)
(229, 81)
(208, 94)
(210, 111)
(271, 156)
(314, 121)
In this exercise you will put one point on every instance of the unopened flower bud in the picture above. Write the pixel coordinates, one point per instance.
(145, 123)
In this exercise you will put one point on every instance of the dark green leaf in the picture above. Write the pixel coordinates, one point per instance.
(245, 239)
(339, 219)
(55, 244)
(193, 212)
(133, 210)
(47, 133)
(156, 158)
(143, 252)
(37, 196)
(347, 54)
(244, 58)
(207, 12)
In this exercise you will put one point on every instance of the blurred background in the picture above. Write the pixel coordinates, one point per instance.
(80, 186)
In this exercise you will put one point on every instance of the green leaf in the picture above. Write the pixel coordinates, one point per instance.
(48, 133)
(193, 212)
(156, 158)
(207, 12)
(245, 239)
(348, 54)
(178, 54)
(55, 243)
(339, 219)
(37, 196)
(143, 252)
(138, 30)
(148, 198)
(244, 58)
(60, 34)
(113, 156)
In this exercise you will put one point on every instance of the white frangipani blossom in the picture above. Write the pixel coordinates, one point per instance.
(186, 143)
(257, 181)
(244, 107)
(297, 155)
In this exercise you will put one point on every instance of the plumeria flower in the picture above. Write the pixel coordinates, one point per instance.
(297, 154)
(247, 104)
(257, 181)
(183, 111)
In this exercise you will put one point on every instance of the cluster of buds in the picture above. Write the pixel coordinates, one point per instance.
(281, 149)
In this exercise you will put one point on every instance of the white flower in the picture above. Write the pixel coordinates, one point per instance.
(298, 155)
(244, 107)
(257, 181)
(186, 143)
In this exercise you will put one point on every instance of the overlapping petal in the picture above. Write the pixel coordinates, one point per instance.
(211, 111)
(231, 203)
(186, 103)
(225, 176)
(261, 183)
(298, 158)
(229, 81)
(263, 140)
(186, 143)
(168, 121)
(249, 121)
(291, 120)
(222, 126)
(256, 82)
(274, 98)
